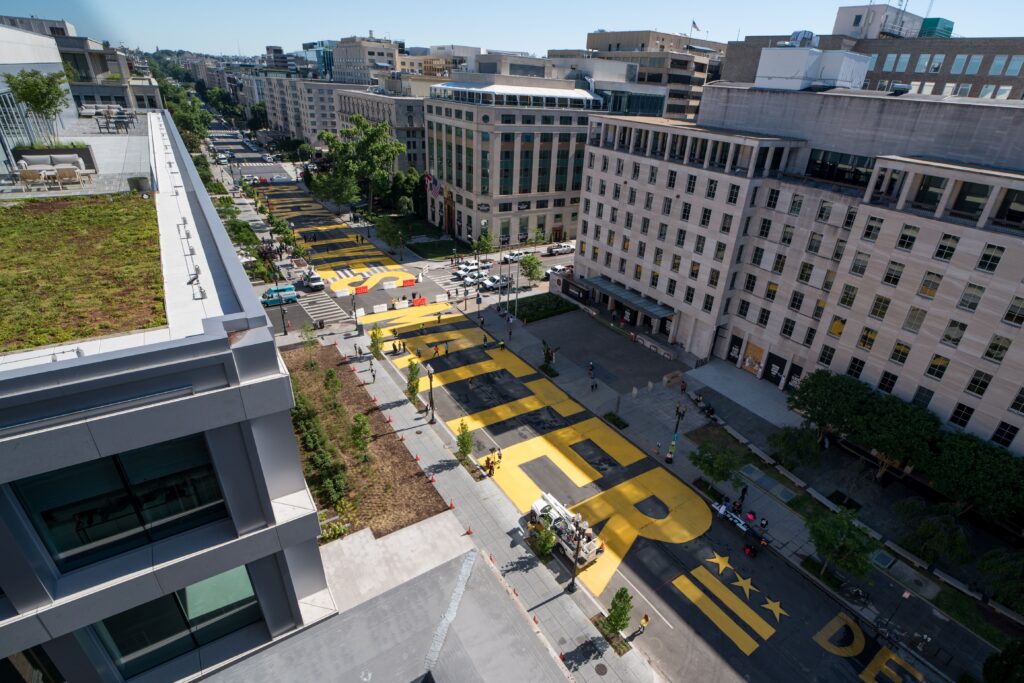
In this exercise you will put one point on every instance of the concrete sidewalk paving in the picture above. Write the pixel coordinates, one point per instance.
(563, 620)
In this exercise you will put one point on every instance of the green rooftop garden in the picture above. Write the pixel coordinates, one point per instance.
(78, 267)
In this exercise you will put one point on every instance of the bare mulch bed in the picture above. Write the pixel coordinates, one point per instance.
(390, 491)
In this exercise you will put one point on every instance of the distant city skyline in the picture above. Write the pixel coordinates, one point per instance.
(236, 28)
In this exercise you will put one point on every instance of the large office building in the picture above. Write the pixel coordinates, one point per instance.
(505, 145)
(404, 115)
(907, 52)
(154, 520)
(868, 233)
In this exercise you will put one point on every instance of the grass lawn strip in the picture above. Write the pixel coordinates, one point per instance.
(387, 490)
(540, 306)
(439, 250)
(78, 267)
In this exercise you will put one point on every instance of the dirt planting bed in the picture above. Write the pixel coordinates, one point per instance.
(386, 489)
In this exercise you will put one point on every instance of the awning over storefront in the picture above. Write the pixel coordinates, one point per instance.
(635, 300)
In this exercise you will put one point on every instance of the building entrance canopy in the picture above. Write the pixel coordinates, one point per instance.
(635, 300)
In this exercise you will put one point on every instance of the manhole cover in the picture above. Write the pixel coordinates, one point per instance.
(601, 669)
(419, 431)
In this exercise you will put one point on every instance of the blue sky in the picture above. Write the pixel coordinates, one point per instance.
(230, 26)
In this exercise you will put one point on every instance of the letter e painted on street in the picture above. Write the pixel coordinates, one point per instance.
(880, 665)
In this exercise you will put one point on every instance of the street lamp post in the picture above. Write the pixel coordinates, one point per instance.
(430, 393)
(284, 323)
(571, 588)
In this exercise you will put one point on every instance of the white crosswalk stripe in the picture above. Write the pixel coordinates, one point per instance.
(320, 306)
(347, 272)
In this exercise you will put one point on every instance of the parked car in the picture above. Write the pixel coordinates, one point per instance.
(513, 257)
(312, 280)
(276, 296)
(494, 282)
(269, 158)
(474, 278)
(564, 248)
(557, 270)
(251, 179)
(465, 271)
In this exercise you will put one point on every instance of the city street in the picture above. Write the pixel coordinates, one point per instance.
(755, 618)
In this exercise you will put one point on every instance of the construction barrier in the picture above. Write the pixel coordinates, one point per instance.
(438, 298)
(401, 303)
(360, 312)
(380, 308)
(362, 290)
(409, 283)
(422, 301)
(389, 285)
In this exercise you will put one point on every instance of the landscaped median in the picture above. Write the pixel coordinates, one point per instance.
(358, 468)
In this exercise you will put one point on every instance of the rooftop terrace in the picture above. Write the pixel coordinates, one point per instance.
(98, 273)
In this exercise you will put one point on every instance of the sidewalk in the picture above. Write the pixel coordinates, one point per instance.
(563, 620)
(651, 417)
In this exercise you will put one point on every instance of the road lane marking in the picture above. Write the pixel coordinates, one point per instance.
(712, 611)
(733, 602)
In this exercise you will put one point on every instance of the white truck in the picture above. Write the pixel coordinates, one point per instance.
(566, 525)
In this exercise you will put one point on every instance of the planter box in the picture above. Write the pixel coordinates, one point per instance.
(85, 153)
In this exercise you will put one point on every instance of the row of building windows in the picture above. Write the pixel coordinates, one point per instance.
(999, 65)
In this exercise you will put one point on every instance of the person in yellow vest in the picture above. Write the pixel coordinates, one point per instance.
(644, 620)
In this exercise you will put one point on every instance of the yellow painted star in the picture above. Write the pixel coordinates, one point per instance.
(745, 584)
(722, 562)
(775, 607)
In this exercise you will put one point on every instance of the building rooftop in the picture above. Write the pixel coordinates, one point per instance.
(688, 126)
(519, 90)
(119, 271)
(967, 168)
(877, 94)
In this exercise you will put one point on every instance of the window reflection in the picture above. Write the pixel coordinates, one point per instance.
(88, 512)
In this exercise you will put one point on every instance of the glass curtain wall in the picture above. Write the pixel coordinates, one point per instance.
(170, 626)
(98, 509)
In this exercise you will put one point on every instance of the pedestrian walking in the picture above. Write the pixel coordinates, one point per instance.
(644, 620)
(439, 318)
(373, 376)
(499, 457)
(751, 516)
(743, 492)
(657, 449)
(437, 350)
(446, 348)
(764, 524)
(501, 345)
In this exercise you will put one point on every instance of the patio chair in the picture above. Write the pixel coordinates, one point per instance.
(67, 175)
(30, 177)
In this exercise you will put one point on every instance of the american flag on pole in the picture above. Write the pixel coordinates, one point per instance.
(433, 184)
(693, 26)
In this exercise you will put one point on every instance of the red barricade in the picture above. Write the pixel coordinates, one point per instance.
(362, 290)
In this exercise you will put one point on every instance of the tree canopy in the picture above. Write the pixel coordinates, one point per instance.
(840, 542)
(532, 267)
(362, 156)
(42, 94)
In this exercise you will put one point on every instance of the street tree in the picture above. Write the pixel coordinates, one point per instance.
(795, 446)
(483, 244)
(305, 151)
(1006, 666)
(840, 542)
(412, 387)
(42, 94)
(377, 342)
(619, 611)
(360, 433)
(933, 531)
(258, 117)
(532, 268)
(405, 206)
(718, 464)
(364, 154)
(1004, 573)
(309, 342)
(389, 231)
(975, 473)
(830, 401)
(332, 385)
(464, 442)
